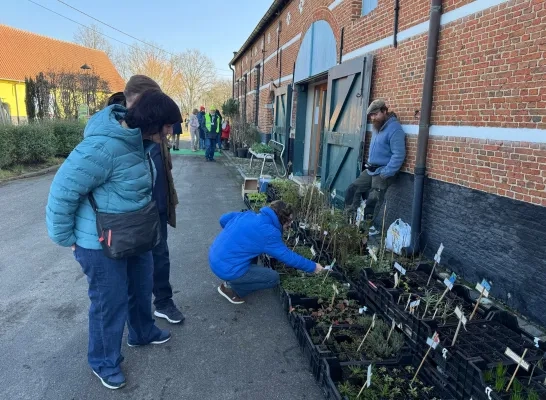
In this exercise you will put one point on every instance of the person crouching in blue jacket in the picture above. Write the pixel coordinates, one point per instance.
(111, 163)
(245, 236)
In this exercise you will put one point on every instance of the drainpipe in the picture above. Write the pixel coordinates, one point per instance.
(424, 126)
(396, 14)
(232, 81)
(341, 45)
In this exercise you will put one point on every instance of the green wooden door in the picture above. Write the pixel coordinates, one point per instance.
(345, 123)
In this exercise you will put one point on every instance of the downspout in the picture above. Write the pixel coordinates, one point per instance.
(396, 14)
(263, 59)
(424, 126)
(341, 45)
(232, 81)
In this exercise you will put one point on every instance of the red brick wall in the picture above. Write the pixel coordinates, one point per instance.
(491, 71)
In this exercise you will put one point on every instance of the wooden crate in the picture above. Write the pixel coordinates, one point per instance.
(250, 185)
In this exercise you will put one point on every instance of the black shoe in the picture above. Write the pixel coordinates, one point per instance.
(170, 313)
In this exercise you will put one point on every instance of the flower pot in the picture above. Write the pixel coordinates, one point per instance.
(242, 152)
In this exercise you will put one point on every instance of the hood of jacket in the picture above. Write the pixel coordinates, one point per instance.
(107, 122)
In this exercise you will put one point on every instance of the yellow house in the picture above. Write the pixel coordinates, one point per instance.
(26, 54)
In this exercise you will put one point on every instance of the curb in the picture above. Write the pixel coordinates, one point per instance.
(229, 158)
(31, 174)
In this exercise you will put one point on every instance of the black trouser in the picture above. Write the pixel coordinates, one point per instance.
(372, 187)
(163, 291)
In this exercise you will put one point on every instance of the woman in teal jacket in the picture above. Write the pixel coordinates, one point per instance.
(111, 163)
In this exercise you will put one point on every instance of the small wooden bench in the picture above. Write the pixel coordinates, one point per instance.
(278, 150)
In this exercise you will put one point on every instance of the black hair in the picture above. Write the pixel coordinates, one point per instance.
(153, 110)
(117, 98)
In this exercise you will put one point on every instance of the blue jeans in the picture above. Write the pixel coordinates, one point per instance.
(256, 278)
(219, 141)
(211, 144)
(202, 144)
(163, 291)
(120, 291)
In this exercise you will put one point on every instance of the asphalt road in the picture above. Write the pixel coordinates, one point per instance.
(221, 352)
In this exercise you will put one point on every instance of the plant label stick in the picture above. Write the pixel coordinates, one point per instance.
(534, 366)
(432, 343)
(328, 334)
(484, 287)
(437, 259)
(462, 321)
(400, 268)
(334, 295)
(368, 382)
(367, 333)
(393, 325)
(520, 364)
(313, 252)
(296, 242)
(408, 303)
(449, 285)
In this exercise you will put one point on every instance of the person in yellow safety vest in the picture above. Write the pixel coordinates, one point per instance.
(213, 128)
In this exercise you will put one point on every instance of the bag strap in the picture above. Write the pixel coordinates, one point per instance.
(92, 200)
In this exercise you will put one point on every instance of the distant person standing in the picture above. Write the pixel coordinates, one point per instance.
(193, 123)
(202, 130)
(212, 126)
(219, 138)
(177, 131)
(226, 129)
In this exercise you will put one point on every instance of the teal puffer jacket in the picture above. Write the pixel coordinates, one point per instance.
(111, 163)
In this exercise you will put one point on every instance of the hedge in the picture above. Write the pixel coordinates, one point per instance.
(37, 142)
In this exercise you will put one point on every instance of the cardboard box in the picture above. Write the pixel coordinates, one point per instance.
(250, 185)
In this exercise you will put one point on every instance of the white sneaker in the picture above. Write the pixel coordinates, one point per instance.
(372, 231)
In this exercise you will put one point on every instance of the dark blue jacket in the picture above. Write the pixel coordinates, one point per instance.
(177, 128)
(246, 235)
(160, 191)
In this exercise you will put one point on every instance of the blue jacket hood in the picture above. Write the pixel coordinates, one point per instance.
(268, 212)
(107, 122)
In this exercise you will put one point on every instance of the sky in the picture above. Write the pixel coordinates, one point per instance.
(216, 27)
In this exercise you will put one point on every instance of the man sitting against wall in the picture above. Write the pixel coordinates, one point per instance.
(386, 156)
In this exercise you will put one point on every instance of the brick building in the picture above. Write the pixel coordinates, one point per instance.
(484, 196)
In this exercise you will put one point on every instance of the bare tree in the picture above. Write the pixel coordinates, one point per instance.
(198, 75)
(218, 93)
(92, 37)
(153, 62)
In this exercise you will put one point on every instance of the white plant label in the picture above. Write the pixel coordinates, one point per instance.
(524, 364)
(313, 252)
(444, 353)
(329, 333)
(396, 280)
(373, 321)
(369, 379)
(459, 313)
(333, 194)
(449, 282)
(415, 303)
(335, 288)
(484, 288)
(328, 268)
(434, 340)
(536, 342)
(372, 253)
(488, 391)
(325, 233)
(332, 210)
(400, 268)
(362, 310)
(297, 240)
(438, 255)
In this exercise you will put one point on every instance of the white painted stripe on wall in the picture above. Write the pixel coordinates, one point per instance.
(283, 79)
(335, 4)
(451, 16)
(284, 46)
(480, 132)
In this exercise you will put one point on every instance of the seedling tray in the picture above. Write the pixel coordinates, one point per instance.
(334, 374)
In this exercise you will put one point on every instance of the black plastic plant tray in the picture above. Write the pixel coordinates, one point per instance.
(473, 384)
(485, 339)
(334, 373)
